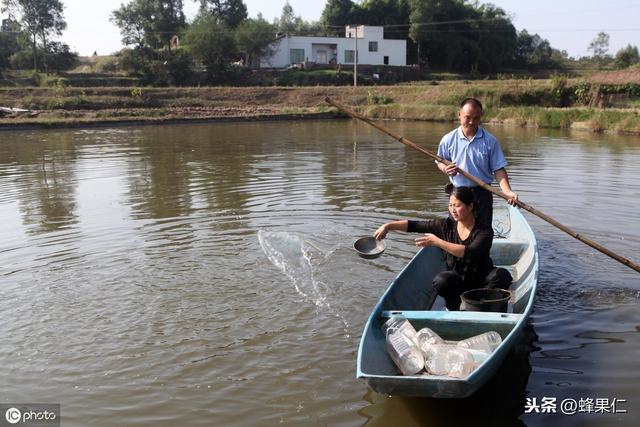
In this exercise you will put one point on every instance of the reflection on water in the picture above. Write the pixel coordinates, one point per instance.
(200, 274)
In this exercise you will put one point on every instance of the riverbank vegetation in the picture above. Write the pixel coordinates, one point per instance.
(171, 69)
(601, 103)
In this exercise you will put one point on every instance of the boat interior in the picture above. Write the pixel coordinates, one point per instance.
(411, 294)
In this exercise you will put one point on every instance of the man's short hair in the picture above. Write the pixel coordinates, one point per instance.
(472, 101)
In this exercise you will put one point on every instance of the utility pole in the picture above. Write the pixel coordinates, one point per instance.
(352, 31)
(355, 60)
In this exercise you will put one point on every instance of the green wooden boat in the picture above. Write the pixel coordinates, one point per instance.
(514, 248)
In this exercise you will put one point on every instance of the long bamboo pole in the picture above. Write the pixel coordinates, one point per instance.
(482, 184)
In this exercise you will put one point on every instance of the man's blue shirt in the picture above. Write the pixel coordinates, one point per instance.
(481, 156)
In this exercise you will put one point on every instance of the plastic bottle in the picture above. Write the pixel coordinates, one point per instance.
(426, 337)
(486, 342)
(435, 357)
(404, 352)
(399, 322)
(459, 362)
(449, 360)
(478, 356)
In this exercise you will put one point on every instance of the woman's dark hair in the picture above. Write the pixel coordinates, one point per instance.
(464, 194)
(472, 101)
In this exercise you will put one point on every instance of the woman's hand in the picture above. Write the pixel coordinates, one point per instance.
(381, 232)
(427, 240)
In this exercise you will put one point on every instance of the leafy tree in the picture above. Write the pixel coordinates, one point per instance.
(10, 42)
(253, 38)
(338, 13)
(229, 12)
(418, 31)
(60, 57)
(626, 57)
(287, 22)
(386, 13)
(496, 38)
(130, 18)
(600, 46)
(443, 32)
(38, 18)
(211, 42)
(394, 16)
(532, 51)
(150, 23)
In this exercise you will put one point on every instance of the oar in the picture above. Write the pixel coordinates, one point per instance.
(499, 193)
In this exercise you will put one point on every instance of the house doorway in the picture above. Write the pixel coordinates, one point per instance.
(321, 57)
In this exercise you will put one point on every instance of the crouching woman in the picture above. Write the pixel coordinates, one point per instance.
(466, 248)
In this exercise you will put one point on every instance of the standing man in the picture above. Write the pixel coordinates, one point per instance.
(476, 151)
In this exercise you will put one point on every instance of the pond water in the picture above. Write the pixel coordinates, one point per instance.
(203, 274)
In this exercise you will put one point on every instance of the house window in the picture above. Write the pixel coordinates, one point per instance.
(386, 60)
(349, 56)
(297, 56)
(373, 46)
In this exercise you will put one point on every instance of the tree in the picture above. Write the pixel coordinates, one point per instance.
(229, 12)
(534, 52)
(387, 13)
(600, 46)
(417, 31)
(253, 38)
(38, 18)
(211, 42)
(394, 16)
(626, 57)
(338, 13)
(130, 18)
(287, 22)
(496, 39)
(150, 23)
(10, 42)
(60, 57)
(444, 33)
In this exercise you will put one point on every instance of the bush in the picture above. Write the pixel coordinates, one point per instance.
(23, 60)
(179, 68)
(107, 64)
(379, 99)
(559, 92)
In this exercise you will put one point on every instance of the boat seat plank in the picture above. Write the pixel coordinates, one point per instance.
(453, 316)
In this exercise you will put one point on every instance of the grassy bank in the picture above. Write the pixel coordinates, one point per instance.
(516, 102)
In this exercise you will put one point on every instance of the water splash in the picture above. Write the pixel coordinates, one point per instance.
(300, 260)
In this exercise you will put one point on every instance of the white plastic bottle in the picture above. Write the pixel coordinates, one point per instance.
(478, 356)
(486, 342)
(427, 337)
(399, 322)
(404, 352)
(435, 358)
(448, 360)
(459, 362)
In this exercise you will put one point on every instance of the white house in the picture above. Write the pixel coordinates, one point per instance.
(372, 48)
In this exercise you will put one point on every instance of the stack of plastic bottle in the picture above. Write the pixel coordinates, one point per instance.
(413, 351)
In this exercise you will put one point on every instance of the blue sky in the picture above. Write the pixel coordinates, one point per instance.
(568, 24)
